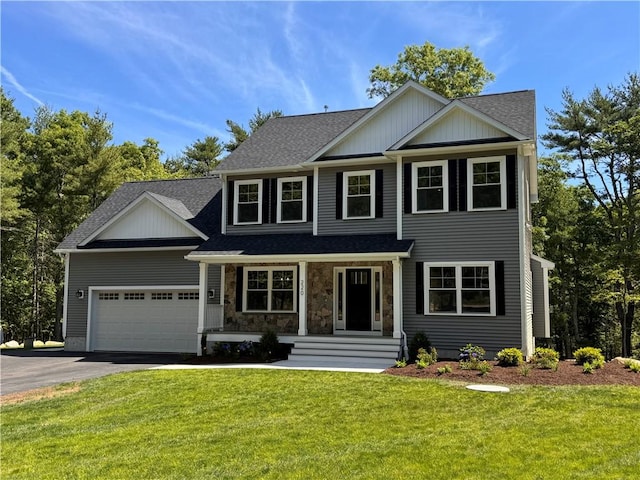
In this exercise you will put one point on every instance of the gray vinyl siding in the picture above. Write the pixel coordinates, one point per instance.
(540, 301)
(128, 268)
(327, 222)
(266, 228)
(458, 237)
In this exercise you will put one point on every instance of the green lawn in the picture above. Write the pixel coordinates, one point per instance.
(327, 425)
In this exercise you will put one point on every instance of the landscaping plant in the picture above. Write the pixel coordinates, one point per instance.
(509, 357)
(546, 358)
(590, 355)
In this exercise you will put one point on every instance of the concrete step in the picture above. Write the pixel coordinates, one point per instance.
(372, 347)
(344, 353)
(373, 340)
(336, 361)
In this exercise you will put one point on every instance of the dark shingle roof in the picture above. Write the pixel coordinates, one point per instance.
(514, 109)
(303, 244)
(197, 199)
(286, 141)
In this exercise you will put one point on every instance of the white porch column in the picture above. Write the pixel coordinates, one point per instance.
(202, 302)
(397, 298)
(302, 299)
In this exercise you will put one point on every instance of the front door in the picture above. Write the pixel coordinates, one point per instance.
(358, 299)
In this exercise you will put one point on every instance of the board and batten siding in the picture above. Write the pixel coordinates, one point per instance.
(124, 269)
(268, 227)
(328, 224)
(394, 122)
(457, 126)
(465, 237)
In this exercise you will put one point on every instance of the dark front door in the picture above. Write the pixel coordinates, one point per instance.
(358, 299)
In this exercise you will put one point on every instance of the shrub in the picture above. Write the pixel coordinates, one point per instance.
(221, 349)
(246, 348)
(446, 369)
(484, 367)
(546, 358)
(509, 357)
(588, 367)
(401, 363)
(425, 359)
(635, 367)
(269, 345)
(590, 355)
(471, 353)
(525, 370)
(419, 340)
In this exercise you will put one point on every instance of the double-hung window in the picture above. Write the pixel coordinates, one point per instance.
(460, 288)
(487, 183)
(431, 181)
(248, 204)
(270, 289)
(359, 188)
(292, 199)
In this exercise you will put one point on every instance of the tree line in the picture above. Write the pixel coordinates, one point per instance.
(59, 166)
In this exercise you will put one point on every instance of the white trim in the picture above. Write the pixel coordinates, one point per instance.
(236, 198)
(125, 249)
(112, 288)
(270, 270)
(399, 198)
(282, 180)
(376, 110)
(503, 182)
(143, 196)
(317, 257)
(445, 185)
(544, 263)
(372, 193)
(526, 324)
(458, 269)
(455, 104)
(203, 270)
(454, 149)
(222, 284)
(316, 189)
(65, 301)
(397, 299)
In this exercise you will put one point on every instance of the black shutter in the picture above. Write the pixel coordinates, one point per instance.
(379, 194)
(310, 198)
(511, 181)
(453, 185)
(408, 194)
(338, 195)
(500, 302)
(462, 185)
(239, 287)
(273, 209)
(266, 195)
(419, 288)
(230, 205)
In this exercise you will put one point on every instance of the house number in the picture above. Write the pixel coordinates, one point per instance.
(301, 287)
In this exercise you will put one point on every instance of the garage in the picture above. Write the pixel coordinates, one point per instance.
(138, 320)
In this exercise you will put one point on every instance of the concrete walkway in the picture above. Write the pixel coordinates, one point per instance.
(284, 365)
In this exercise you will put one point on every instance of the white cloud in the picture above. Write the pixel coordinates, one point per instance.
(15, 84)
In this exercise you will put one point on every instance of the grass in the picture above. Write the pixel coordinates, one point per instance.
(228, 424)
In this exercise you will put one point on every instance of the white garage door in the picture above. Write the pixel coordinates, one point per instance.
(144, 321)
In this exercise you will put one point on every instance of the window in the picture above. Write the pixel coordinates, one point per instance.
(270, 289)
(109, 296)
(360, 194)
(134, 296)
(247, 208)
(161, 295)
(292, 199)
(460, 289)
(188, 295)
(486, 183)
(431, 182)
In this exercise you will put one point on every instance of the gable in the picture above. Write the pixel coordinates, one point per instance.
(146, 220)
(457, 126)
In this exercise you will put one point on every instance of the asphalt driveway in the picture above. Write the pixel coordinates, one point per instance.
(22, 370)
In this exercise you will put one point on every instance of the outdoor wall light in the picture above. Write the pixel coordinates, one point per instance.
(211, 293)
(80, 294)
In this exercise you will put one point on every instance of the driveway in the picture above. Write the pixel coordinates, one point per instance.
(22, 370)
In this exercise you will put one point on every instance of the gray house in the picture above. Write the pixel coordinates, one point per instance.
(345, 232)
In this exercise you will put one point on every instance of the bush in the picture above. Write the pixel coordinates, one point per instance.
(588, 367)
(401, 363)
(484, 367)
(635, 367)
(269, 346)
(419, 340)
(425, 359)
(509, 357)
(446, 369)
(590, 355)
(546, 358)
(471, 352)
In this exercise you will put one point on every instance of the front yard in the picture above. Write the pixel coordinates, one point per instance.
(296, 424)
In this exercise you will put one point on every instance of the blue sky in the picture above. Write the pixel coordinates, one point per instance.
(175, 71)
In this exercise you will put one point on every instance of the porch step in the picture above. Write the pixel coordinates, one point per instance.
(372, 352)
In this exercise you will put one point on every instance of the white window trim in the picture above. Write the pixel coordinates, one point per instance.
(236, 200)
(345, 190)
(458, 266)
(245, 282)
(503, 182)
(304, 199)
(445, 185)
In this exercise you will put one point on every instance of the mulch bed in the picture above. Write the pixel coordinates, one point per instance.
(568, 373)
